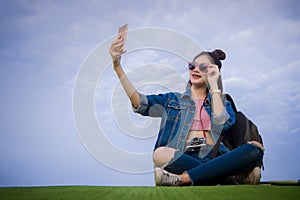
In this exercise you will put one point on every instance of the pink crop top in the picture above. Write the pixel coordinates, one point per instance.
(200, 110)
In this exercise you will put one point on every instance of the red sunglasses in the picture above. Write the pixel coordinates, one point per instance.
(202, 66)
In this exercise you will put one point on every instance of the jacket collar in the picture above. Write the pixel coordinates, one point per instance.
(188, 94)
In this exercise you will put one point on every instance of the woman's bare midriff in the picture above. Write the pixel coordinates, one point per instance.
(200, 134)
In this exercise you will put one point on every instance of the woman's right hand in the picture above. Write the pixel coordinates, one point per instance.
(117, 49)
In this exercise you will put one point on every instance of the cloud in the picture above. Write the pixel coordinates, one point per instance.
(271, 97)
(295, 131)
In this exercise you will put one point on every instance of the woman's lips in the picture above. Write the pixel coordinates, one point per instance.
(195, 76)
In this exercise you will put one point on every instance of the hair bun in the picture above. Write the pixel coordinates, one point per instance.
(219, 54)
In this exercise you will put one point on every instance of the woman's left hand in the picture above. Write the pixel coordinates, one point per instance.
(255, 143)
(213, 76)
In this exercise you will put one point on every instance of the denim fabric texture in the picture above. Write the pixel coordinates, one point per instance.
(239, 160)
(177, 112)
(206, 171)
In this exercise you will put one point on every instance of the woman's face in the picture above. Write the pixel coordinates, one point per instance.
(197, 77)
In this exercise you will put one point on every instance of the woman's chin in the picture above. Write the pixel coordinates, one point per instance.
(198, 83)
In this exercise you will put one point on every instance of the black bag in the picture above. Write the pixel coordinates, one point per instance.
(243, 131)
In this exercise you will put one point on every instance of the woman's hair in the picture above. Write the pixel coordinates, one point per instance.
(215, 57)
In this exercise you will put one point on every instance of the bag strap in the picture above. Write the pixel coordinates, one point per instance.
(216, 147)
(229, 98)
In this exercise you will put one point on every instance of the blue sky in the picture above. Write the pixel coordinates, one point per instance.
(45, 45)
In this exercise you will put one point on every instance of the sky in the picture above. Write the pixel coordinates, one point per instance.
(64, 117)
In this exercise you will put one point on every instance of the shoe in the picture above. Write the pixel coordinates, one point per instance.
(164, 178)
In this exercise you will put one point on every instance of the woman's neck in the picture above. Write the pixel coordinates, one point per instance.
(198, 92)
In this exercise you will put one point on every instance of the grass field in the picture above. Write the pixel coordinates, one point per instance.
(153, 193)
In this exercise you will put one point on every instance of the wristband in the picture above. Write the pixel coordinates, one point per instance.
(215, 91)
(116, 62)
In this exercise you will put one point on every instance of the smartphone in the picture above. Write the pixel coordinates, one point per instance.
(123, 32)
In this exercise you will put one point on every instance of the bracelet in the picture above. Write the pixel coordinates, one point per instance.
(215, 91)
(116, 62)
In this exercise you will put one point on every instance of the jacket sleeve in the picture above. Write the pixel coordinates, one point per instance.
(151, 105)
(223, 121)
(231, 116)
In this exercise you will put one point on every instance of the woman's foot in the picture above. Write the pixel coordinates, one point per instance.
(165, 178)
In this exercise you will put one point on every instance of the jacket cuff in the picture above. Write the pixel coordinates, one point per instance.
(142, 106)
(221, 118)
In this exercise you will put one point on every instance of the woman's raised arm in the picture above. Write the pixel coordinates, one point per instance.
(116, 50)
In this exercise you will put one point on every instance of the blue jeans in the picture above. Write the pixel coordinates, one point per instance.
(204, 171)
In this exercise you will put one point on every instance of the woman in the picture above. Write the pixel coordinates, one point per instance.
(191, 124)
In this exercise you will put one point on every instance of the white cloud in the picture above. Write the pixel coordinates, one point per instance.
(269, 97)
(295, 131)
(240, 83)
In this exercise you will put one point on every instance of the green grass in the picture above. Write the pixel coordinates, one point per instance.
(152, 193)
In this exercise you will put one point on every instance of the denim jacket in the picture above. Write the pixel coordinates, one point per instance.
(177, 112)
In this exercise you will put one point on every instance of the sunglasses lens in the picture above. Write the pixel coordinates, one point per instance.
(191, 66)
(203, 67)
